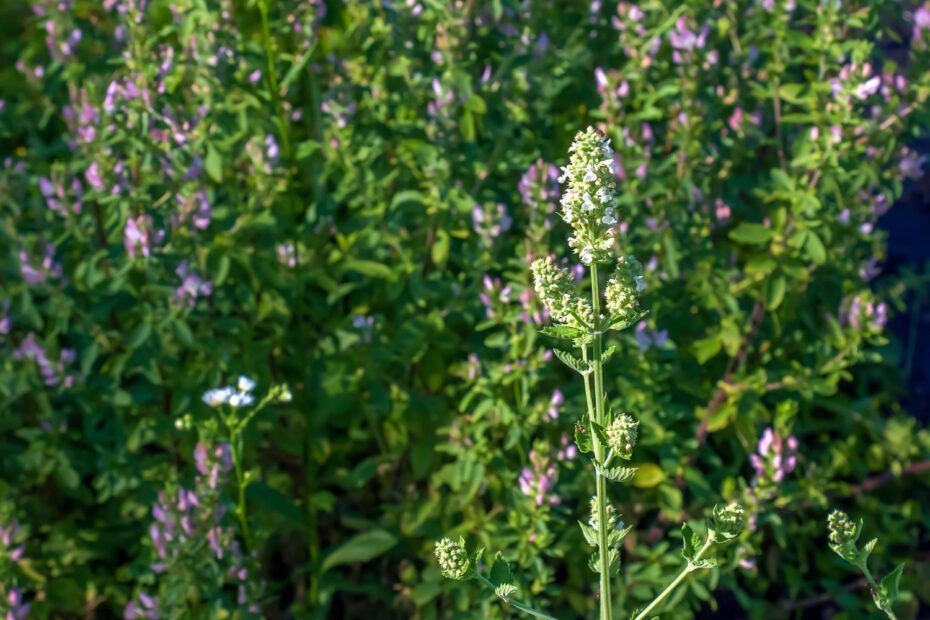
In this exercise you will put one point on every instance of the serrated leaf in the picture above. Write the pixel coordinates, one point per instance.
(705, 563)
(578, 365)
(616, 537)
(582, 439)
(562, 332)
(606, 355)
(505, 591)
(590, 534)
(617, 474)
(500, 570)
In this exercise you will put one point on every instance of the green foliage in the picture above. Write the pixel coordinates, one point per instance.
(314, 198)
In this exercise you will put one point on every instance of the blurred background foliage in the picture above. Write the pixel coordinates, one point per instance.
(345, 196)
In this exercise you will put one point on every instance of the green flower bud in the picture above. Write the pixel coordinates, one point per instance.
(553, 287)
(621, 435)
(594, 521)
(452, 558)
(842, 530)
(729, 522)
(623, 289)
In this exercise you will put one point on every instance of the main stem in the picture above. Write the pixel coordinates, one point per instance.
(601, 482)
(874, 586)
(241, 511)
(681, 577)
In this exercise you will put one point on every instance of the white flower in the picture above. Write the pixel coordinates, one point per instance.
(590, 176)
(285, 395)
(587, 204)
(218, 396)
(609, 220)
(586, 256)
(869, 87)
(245, 384)
(241, 399)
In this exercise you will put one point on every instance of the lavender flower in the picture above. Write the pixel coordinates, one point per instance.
(192, 286)
(491, 221)
(775, 458)
(537, 482)
(494, 295)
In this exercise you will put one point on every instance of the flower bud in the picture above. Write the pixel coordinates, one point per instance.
(842, 530)
(729, 522)
(594, 521)
(623, 289)
(553, 287)
(621, 435)
(453, 559)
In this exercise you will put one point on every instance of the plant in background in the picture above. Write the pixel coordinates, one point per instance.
(843, 537)
(589, 206)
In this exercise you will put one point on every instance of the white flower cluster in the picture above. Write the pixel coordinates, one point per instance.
(589, 202)
(554, 288)
(238, 396)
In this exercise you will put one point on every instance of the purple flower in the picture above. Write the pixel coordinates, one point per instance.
(774, 459)
(539, 480)
(192, 286)
(92, 174)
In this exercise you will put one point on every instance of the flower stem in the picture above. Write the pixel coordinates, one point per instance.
(514, 603)
(874, 586)
(241, 510)
(671, 587)
(600, 481)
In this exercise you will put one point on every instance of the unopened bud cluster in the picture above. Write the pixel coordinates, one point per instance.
(594, 521)
(621, 435)
(729, 522)
(554, 288)
(842, 530)
(589, 203)
(452, 558)
(623, 289)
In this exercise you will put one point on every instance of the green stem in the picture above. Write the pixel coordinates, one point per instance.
(516, 604)
(874, 586)
(601, 482)
(671, 587)
(273, 81)
(241, 510)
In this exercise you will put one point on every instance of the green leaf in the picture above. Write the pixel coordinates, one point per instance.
(500, 570)
(440, 251)
(578, 365)
(815, 249)
(562, 332)
(590, 534)
(689, 543)
(618, 474)
(274, 500)
(361, 548)
(706, 348)
(213, 164)
(582, 439)
(774, 291)
(892, 581)
(370, 268)
(747, 232)
(648, 475)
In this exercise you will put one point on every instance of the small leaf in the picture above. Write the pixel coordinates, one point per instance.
(590, 534)
(617, 474)
(562, 332)
(505, 591)
(747, 232)
(706, 348)
(815, 249)
(440, 251)
(582, 439)
(891, 582)
(648, 475)
(369, 268)
(361, 548)
(213, 164)
(500, 571)
(774, 291)
(615, 537)
(580, 366)
(688, 543)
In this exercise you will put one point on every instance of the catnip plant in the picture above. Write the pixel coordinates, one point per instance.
(844, 534)
(590, 208)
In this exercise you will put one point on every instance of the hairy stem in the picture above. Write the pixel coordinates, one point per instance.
(601, 482)
(241, 510)
(676, 582)
(874, 587)
(514, 603)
